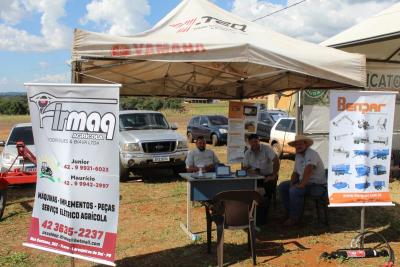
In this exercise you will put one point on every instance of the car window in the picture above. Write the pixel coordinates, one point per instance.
(203, 120)
(218, 120)
(195, 121)
(293, 127)
(263, 117)
(142, 121)
(21, 134)
(277, 115)
(283, 125)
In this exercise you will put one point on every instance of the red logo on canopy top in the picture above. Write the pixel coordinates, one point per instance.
(184, 26)
(120, 50)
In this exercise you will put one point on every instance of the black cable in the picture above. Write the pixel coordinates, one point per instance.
(390, 250)
(369, 252)
(287, 7)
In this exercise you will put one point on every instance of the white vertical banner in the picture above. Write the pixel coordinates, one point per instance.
(75, 129)
(360, 142)
(242, 120)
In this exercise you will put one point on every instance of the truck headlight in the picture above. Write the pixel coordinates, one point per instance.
(182, 145)
(131, 147)
(8, 158)
(223, 131)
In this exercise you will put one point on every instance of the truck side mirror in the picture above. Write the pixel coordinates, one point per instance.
(174, 126)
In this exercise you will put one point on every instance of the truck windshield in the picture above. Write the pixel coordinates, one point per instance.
(277, 115)
(142, 121)
(218, 120)
(21, 134)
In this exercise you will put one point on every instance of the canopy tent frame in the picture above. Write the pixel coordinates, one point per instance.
(202, 51)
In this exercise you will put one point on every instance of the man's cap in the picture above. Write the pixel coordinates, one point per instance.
(301, 138)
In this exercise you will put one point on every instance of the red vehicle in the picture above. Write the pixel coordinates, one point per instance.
(16, 176)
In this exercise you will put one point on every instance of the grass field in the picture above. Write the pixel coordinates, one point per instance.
(153, 205)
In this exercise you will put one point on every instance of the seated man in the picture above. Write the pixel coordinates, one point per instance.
(200, 157)
(308, 171)
(262, 160)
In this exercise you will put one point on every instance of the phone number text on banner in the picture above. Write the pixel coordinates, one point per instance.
(75, 129)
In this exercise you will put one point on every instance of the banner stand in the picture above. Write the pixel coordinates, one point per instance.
(362, 225)
(72, 261)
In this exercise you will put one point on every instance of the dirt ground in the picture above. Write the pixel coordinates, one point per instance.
(154, 204)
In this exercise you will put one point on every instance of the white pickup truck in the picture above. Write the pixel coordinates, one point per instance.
(148, 141)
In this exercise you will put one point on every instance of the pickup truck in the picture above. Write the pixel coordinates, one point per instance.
(148, 141)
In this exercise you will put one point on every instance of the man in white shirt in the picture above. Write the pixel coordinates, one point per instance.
(261, 159)
(308, 175)
(200, 157)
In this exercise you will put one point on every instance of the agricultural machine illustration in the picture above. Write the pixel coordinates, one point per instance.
(362, 185)
(381, 140)
(362, 153)
(362, 170)
(46, 169)
(17, 176)
(344, 118)
(379, 185)
(361, 139)
(341, 136)
(381, 124)
(380, 153)
(363, 124)
(379, 169)
(340, 185)
(341, 151)
(341, 169)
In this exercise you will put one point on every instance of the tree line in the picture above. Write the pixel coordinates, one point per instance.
(150, 103)
(18, 105)
(14, 105)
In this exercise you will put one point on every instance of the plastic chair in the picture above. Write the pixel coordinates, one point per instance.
(233, 210)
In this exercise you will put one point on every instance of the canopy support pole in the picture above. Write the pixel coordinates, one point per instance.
(299, 112)
(75, 72)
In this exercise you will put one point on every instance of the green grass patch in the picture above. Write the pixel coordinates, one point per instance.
(15, 259)
(220, 108)
(14, 118)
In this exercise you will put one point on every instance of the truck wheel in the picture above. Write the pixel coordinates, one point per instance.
(123, 173)
(2, 202)
(277, 149)
(214, 140)
(189, 137)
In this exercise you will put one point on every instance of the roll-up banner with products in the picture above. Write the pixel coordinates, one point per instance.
(242, 121)
(360, 143)
(75, 129)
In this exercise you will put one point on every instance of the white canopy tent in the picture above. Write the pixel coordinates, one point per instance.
(378, 37)
(202, 51)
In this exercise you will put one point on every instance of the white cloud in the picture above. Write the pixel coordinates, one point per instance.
(53, 36)
(3, 80)
(10, 85)
(43, 64)
(313, 20)
(52, 78)
(11, 11)
(118, 17)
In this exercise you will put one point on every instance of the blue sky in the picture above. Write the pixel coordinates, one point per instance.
(35, 35)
